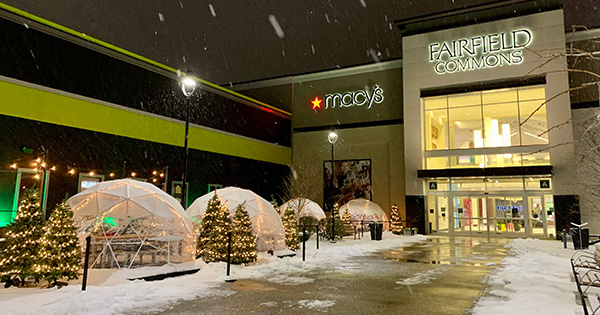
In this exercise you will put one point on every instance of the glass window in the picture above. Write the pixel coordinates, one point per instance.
(531, 93)
(437, 163)
(436, 129)
(505, 184)
(436, 102)
(501, 122)
(475, 184)
(539, 158)
(503, 160)
(467, 99)
(533, 122)
(538, 183)
(463, 122)
(466, 161)
(499, 96)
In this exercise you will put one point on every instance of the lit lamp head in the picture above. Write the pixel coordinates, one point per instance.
(332, 137)
(188, 85)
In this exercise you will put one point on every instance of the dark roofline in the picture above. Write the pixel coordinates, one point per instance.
(474, 14)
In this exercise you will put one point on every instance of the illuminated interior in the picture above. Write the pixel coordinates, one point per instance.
(486, 119)
(510, 117)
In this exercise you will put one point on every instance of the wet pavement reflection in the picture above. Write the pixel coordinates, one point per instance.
(444, 275)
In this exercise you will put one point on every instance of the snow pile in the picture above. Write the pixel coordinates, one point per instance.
(536, 280)
(422, 277)
(316, 304)
(111, 291)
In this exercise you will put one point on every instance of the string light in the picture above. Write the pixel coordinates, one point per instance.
(133, 174)
(14, 165)
(53, 168)
(154, 172)
(92, 173)
(111, 175)
(72, 171)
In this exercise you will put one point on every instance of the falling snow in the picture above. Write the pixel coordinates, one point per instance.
(276, 26)
(212, 10)
(364, 4)
(312, 47)
(161, 17)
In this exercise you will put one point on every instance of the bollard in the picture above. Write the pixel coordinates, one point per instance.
(303, 243)
(317, 227)
(88, 240)
(228, 278)
(564, 237)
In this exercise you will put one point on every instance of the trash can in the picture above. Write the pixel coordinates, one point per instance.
(373, 230)
(378, 231)
(580, 240)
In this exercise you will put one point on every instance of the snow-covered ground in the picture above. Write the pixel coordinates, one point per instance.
(536, 280)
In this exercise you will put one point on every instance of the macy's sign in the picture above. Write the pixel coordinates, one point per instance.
(349, 99)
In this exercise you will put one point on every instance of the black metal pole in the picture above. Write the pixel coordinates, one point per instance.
(303, 243)
(564, 237)
(185, 159)
(317, 236)
(332, 197)
(88, 240)
(228, 253)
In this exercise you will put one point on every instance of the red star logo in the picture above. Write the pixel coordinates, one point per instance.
(316, 102)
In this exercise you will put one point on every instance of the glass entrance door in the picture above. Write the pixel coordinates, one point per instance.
(508, 215)
(470, 215)
(438, 214)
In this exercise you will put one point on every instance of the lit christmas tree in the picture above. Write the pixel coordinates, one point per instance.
(291, 231)
(396, 221)
(243, 242)
(60, 252)
(216, 223)
(347, 217)
(23, 239)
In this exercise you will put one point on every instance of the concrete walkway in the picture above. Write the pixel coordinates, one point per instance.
(442, 276)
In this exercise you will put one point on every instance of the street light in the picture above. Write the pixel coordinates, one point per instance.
(188, 85)
(332, 137)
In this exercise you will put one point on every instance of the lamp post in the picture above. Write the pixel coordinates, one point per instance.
(332, 137)
(188, 85)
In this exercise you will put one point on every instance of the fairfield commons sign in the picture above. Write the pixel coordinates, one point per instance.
(480, 52)
(349, 99)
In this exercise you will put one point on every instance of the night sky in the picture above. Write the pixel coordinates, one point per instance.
(229, 42)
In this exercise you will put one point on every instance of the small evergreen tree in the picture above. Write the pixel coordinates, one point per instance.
(310, 223)
(339, 224)
(291, 230)
(212, 240)
(243, 242)
(60, 252)
(396, 221)
(347, 217)
(23, 239)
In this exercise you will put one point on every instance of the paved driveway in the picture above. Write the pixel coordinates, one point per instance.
(441, 276)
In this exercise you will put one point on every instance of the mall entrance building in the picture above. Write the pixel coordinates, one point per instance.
(490, 154)
(473, 132)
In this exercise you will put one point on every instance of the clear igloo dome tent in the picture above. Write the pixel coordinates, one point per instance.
(266, 222)
(132, 223)
(304, 208)
(365, 211)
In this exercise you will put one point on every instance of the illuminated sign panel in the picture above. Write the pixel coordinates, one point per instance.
(479, 52)
(348, 99)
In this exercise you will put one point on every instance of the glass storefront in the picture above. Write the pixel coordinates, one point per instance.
(486, 119)
(502, 206)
